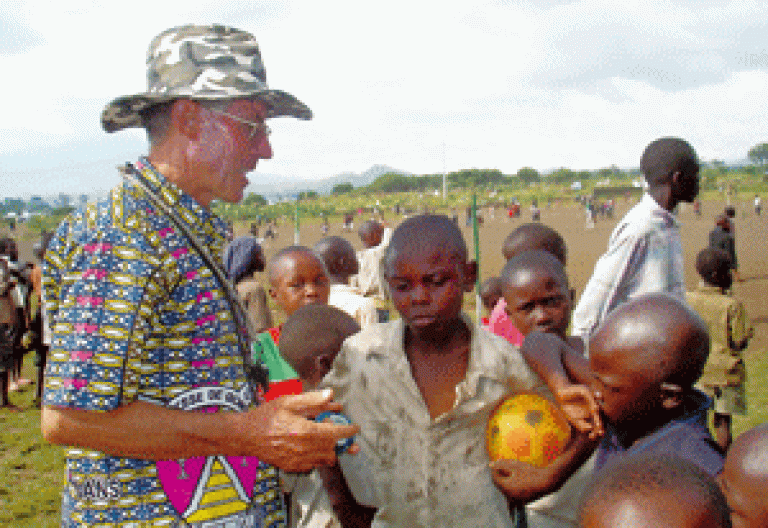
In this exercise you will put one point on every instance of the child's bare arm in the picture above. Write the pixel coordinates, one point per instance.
(523, 483)
(566, 372)
(349, 512)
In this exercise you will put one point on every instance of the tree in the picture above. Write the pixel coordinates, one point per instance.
(254, 200)
(341, 188)
(528, 175)
(305, 195)
(562, 175)
(759, 154)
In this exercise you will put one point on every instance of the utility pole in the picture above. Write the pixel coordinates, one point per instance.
(445, 187)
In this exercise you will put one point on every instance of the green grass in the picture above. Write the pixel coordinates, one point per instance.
(31, 470)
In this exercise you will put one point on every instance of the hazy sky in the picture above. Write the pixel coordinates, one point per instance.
(502, 84)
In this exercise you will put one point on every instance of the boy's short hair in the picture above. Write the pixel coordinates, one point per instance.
(490, 286)
(277, 259)
(713, 264)
(653, 480)
(338, 256)
(664, 156)
(663, 321)
(535, 236)
(312, 330)
(369, 226)
(534, 260)
(417, 230)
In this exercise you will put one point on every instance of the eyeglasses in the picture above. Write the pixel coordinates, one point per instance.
(257, 128)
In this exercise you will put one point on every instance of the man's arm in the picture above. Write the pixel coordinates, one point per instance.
(277, 432)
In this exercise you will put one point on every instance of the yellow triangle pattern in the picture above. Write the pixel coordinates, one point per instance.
(220, 498)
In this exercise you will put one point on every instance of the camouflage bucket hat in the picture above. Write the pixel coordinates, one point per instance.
(202, 62)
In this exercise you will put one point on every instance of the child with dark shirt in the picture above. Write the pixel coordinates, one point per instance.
(309, 342)
(654, 490)
(643, 362)
(527, 237)
(297, 277)
(422, 388)
(745, 478)
(724, 376)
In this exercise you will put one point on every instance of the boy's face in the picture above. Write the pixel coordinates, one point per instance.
(427, 286)
(300, 280)
(621, 390)
(746, 499)
(537, 300)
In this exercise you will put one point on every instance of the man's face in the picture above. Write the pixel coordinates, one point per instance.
(224, 151)
(538, 301)
(427, 286)
(300, 280)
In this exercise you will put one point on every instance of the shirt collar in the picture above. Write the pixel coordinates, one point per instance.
(187, 207)
(658, 211)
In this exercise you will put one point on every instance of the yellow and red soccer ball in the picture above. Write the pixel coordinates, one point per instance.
(528, 428)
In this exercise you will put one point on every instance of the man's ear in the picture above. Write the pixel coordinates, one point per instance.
(671, 395)
(470, 275)
(186, 119)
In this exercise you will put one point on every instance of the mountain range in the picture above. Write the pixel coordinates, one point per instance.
(272, 185)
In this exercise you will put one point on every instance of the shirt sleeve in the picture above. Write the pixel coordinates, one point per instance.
(603, 289)
(101, 296)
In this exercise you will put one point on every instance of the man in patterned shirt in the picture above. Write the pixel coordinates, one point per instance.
(645, 254)
(146, 378)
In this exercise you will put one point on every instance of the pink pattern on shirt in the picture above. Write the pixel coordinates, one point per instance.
(502, 326)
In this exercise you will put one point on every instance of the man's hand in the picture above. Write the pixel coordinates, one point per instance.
(282, 433)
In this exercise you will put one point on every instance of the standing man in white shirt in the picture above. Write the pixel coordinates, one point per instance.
(644, 252)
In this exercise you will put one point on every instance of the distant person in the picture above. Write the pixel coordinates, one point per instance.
(744, 479)
(722, 238)
(37, 329)
(649, 491)
(758, 204)
(7, 333)
(369, 280)
(645, 253)
(724, 376)
(310, 340)
(340, 261)
(242, 258)
(527, 237)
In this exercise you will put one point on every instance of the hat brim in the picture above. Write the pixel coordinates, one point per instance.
(125, 112)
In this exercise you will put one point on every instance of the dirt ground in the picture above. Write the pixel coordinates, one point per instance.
(584, 246)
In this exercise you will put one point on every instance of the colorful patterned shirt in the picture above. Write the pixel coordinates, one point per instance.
(136, 314)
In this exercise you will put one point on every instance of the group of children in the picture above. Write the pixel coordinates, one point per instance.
(422, 387)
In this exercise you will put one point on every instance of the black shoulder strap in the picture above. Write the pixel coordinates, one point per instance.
(256, 374)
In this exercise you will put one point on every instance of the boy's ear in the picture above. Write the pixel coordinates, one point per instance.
(470, 275)
(323, 363)
(671, 395)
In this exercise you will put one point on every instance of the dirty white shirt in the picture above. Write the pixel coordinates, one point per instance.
(420, 472)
